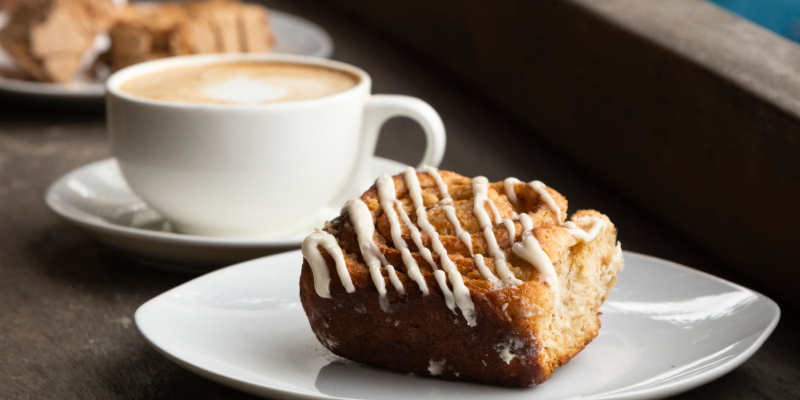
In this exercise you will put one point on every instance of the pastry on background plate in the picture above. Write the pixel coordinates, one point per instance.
(433, 273)
(52, 40)
(83, 40)
(156, 30)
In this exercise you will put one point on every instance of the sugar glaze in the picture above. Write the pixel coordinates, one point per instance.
(460, 291)
(528, 248)
(447, 204)
(322, 279)
(480, 189)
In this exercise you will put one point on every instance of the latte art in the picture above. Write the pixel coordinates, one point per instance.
(241, 83)
(242, 89)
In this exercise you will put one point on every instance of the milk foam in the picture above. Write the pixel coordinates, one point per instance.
(247, 83)
(242, 89)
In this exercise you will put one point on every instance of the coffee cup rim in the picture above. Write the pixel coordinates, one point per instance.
(116, 79)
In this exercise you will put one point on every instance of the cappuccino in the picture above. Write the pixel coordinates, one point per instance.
(241, 83)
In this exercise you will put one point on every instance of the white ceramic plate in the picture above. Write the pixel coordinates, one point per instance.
(295, 35)
(666, 329)
(96, 198)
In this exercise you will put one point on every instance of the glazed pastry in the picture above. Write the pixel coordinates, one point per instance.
(433, 273)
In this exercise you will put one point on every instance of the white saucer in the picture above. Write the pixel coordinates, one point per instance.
(666, 329)
(96, 198)
(295, 35)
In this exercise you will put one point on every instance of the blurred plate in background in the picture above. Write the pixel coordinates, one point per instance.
(295, 35)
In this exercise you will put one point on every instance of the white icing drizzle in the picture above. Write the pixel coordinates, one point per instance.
(449, 299)
(541, 189)
(434, 173)
(319, 267)
(512, 230)
(497, 218)
(462, 235)
(480, 189)
(365, 228)
(480, 193)
(573, 230)
(484, 270)
(416, 237)
(387, 196)
(587, 236)
(460, 291)
(449, 210)
(394, 279)
(530, 250)
(509, 184)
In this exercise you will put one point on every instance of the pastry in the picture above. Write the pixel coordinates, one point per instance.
(51, 40)
(150, 31)
(433, 273)
(56, 40)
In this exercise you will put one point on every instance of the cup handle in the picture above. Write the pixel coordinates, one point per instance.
(378, 110)
(382, 107)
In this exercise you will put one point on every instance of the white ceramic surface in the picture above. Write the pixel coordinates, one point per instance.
(295, 35)
(252, 169)
(666, 329)
(96, 198)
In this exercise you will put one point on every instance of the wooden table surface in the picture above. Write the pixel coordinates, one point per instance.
(67, 302)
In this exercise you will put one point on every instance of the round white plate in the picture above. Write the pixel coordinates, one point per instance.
(295, 35)
(666, 329)
(96, 198)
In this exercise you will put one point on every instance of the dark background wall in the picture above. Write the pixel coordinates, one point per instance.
(699, 128)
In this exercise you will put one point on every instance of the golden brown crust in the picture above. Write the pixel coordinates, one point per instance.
(520, 337)
(418, 330)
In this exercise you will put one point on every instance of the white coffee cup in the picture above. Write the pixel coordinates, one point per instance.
(253, 170)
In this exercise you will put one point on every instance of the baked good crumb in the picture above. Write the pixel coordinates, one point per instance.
(436, 274)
